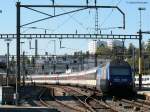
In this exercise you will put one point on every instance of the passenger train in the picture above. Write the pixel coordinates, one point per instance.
(114, 76)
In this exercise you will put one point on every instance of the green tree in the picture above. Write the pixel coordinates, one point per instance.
(147, 58)
(130, 50)
(148, 47)
(103, 51)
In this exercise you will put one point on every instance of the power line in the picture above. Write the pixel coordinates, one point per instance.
(109, 15)
(73, 18)
(61, 25)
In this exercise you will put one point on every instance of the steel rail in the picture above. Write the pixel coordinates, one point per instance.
(90, 107)
(137, 103)
(61, 103)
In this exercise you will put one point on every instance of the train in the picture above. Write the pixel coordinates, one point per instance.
(114, 76)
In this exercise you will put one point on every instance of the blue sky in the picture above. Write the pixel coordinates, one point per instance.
(83, 22)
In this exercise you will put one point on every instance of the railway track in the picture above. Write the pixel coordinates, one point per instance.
(41, 98)
(138, 104)
(91, 103)
(130, 105)
(114, 104)
(64, 105)
(85, 102)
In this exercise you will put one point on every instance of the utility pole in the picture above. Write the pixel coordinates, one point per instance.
(140, 49)
(123, 48)
(140, 10)
(140, 59)
(7, 70)
(36, 48)
(133, 57)
(7, 63)
(18, 52)
(95, 57)
(23, 66)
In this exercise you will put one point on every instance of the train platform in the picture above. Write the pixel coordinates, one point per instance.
(8, 108)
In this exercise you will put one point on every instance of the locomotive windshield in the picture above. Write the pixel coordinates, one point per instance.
(120, 71)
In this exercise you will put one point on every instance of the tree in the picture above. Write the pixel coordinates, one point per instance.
(102, 50)
(148, 47)
(130, 50)
(147, 57)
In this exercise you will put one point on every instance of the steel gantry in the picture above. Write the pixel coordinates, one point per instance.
(69, 36)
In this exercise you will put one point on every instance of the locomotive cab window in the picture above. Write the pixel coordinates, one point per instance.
(120, 71)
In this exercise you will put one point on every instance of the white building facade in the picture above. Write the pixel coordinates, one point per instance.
(93, 45)
(114, 43)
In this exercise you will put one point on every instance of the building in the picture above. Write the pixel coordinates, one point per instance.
(94, 44)
(114, 43)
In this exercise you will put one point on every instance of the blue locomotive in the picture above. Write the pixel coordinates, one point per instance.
(115, 77)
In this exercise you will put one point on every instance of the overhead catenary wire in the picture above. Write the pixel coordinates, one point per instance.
(109, 15)
(73, 18)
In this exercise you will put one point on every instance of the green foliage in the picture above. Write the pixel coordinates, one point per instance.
(103, 51)
(148, 47)
(130, 50)
(128, 55)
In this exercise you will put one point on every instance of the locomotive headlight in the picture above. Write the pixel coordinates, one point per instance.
(110, 83)
(130, 83)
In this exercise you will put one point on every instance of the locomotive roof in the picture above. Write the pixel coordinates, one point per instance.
(118, 62)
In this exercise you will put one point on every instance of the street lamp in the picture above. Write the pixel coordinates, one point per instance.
(8, 42)
(140, 10)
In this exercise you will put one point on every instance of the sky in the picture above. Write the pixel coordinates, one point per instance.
(82, 22)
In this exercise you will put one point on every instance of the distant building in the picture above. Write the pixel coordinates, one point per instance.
(3, 58)
(94, 44)
(114, 43)
(101, 43)
(146, 43)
